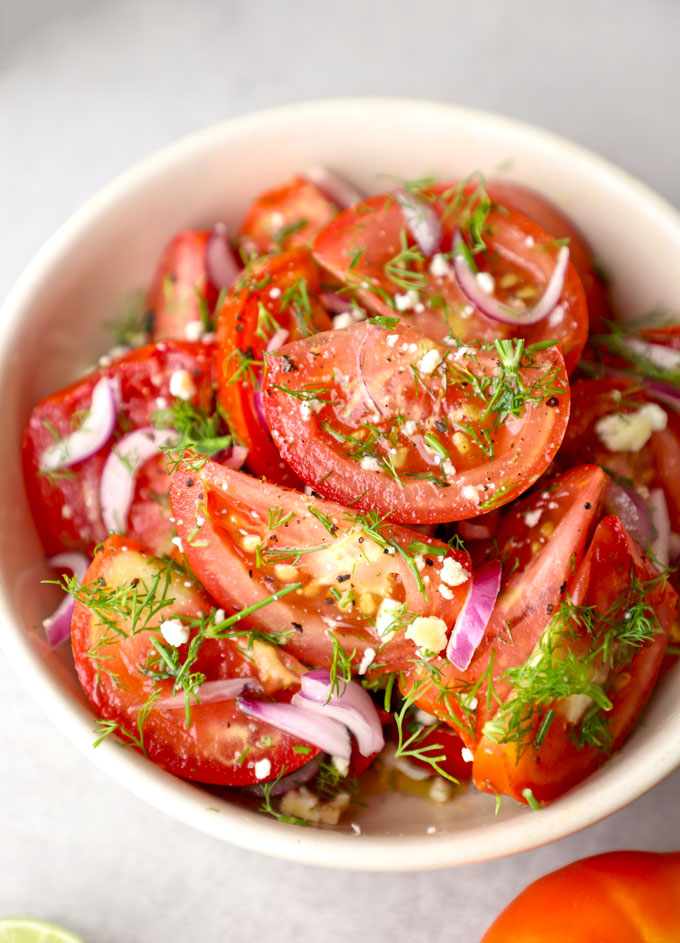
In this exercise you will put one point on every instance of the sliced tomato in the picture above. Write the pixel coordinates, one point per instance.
(442, 741)
(65, 503)
(370, 250)
(535, 584)
(361, 582)
(569, 747)
(381, 418)
(279, 293)
(285, 218)
(118, 664)
(181, 292)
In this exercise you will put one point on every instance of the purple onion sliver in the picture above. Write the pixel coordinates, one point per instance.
(490, 306)
(281, 786)
(323, 732)
(211, 692)
(665, 358)
(58, 626)
(664, 392)
(485, 583)
(95, 430)
(278, 339)
(422, 220)
(220, 262)
(333, 187)
(661, 522)
(353, 707)
(334, 302)
(631, 509)
(235, 457)
(258, 403)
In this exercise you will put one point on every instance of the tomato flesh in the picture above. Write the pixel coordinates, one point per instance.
(181, 292)
(285, 218)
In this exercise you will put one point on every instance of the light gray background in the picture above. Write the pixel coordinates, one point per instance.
(86, 89)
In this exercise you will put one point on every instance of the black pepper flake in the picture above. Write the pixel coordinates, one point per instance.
(552, 402)
(429, 562)
(360, 540)
(288, 365)
(250, 574)
(329, 601)
(440, 425)
(587, 505)
(563, 587)
(342, 577)
(549, 608)
(297, 626)
(315, 494)
(189, 482)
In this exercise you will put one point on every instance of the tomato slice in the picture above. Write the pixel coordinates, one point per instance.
(285, 218)
(442, 741)
(537, 570)
(370, 250)
(65, 503)
(181, 292)
(277, 293)
(586, 648)
(360, 582)
(381, 418)
(120, 668)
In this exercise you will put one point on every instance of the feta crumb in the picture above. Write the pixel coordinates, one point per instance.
(468, 755)
(341, 321)
(392, 340)
(277, 220)
(309, 406)
(453, 573)
(220, 616)
(356, 828)
(175, 632)
(263, 768)
(369, 463)
(531, 518)
(470, 493)
(250, 543)
(430, 361)
(407, 301)
(486, 282)
(428, 632)
(177, 541)
(439, 266)
(341, 764)
(275, 292)
(630, 432)
(556, 316)
(529, 242)
(194, 330)
(358, 314)
(366, 661)
(449, 469)
(386, 617)
(467, 311)
(431, 829)
(410, 427)
(427, 720)
(67, 511)
(445, 591)
(161, 402)
(182, 385)
(440, 790)
(285, 572)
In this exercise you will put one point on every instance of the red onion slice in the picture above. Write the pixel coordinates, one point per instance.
(631, 509)
(235, 457)
(117, 483)
(94, 432)
(665, 358)
(663, 392)
(485, 583)
(278, 339)
(333, 187)
(211, 692)
(422, 220)
(335, 303)
(322, 732)
(353, 707)
(220, 262)
(661, 522)
(58, 626)
(483, 527)
(259, 410)
(490, 306)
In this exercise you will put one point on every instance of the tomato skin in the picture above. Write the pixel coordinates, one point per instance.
(558, 764)
(237, 336)
(208, 751)
(180, 285)
(216, 509)
(65, 506)
(618, 897)
(286, 206)
(453, 763)
(367, 374)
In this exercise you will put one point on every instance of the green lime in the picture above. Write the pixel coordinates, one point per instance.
(20, 930)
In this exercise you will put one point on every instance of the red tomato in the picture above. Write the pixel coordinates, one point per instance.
(452, 748)
(115, 661)
(65, 503)
(572, 748)
(384, 419)
(285, 218)
(276, 293)
(369, 249)
(181, 291)
(247, 540)
(569, 508)
(619, 897)
(548, 217)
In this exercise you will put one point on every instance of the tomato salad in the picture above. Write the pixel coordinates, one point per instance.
(376, 482)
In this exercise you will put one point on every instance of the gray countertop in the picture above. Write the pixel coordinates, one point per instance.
(87, 89)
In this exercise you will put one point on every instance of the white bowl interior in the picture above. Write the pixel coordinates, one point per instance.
(52, 330)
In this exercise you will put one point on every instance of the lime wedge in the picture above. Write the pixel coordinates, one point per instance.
(18, 930)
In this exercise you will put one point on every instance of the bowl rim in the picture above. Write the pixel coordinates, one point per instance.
(181, 799)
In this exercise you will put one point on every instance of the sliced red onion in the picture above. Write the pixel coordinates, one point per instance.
(664, 392)
(278, 339)
(631, 509)
(235, 457)
(259, 410)
(661, 522)
(665, 358)
(485, 583)
(333, 187)
(220, 262)
(322, 732)
(117, 483)
(490, 306)
(335, 303)
(421, 219)
(58, 626)
(353, 707)
(281, 786)
(480, 528)
(94, 431)
(211, 692)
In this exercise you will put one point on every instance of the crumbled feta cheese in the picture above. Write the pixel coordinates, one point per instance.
(358, 313)
(309, 406)
(194, 330)
(369, 463)
(263, 768)
(177, 541)
(341, 321)
(250, 543)
(556, 316)
(430, 361)
(470, 493)
(529, 242)
(431, 829)
(486, 282)
(275, 292)
(277, 220)
(305, 805)
(466, 311)
(439, 266)
(392, 340)
(161, 402)
(468, 755)
(175, 632)
(220, 616)
(427, 720)
(410, 427)
(182, 385)
(407, 301)
(366, 661)
(285, 572)
(453, 573)
(630, 432)
(445, 591)
(67, 511)
(341, 764)
(440, 790)
(428, 632)
(448, 468)
(388, 613)
(531, 518)
(356, 828)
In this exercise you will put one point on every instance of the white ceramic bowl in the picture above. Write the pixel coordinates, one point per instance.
(51, 329)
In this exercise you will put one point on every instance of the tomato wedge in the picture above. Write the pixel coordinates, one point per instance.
(359, 583)
(285, 218)
(181, 292)
(537, 572)
(276, 294)
(381, 418)
(65, 503)
(606, 642)
(123, 660)
(370, 250)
